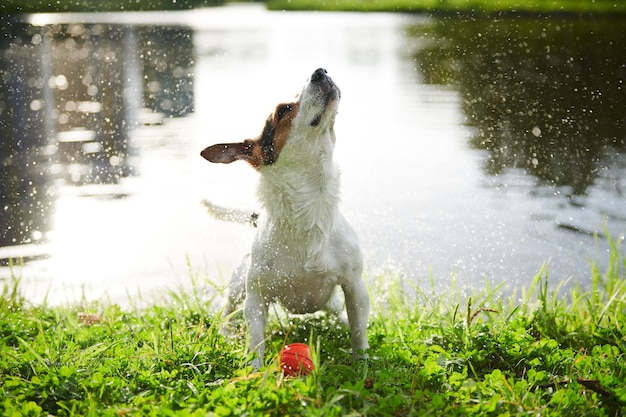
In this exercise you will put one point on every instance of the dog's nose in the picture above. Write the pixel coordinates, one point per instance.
(319, 75)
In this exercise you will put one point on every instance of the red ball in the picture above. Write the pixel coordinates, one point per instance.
(295, 359)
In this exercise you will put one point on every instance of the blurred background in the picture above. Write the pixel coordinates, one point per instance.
(477, 140)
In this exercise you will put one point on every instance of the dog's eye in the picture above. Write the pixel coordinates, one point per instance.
(282, 111)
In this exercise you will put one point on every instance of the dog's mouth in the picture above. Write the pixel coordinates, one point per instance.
(328, 92)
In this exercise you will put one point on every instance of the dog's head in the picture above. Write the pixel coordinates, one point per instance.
(313, 112)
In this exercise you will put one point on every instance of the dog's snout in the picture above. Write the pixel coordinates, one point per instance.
(319, 75)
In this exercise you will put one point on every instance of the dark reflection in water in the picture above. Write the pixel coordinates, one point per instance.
(26, 189)
(545, 95)
(72, 95)
(167, 67)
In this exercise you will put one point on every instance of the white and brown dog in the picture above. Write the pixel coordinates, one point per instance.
(304, 248)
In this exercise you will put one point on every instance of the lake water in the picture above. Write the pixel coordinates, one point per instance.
(471, 150)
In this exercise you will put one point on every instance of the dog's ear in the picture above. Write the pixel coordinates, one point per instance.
(225, 153)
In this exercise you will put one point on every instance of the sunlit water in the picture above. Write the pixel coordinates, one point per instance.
(423, 197)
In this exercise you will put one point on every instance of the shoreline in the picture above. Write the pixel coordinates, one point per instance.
(504, 9)
(479, 8)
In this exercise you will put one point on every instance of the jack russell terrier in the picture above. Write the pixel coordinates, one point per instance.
(304, 247)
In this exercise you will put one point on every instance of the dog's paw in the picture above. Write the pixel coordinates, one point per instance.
(231, 215)
(360, 356)
(230, 328)
(226, 330)
(256, 363)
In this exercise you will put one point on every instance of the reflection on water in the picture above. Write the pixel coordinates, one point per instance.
(475, 149)
(72, 96)
(545, 95)
(26, 191)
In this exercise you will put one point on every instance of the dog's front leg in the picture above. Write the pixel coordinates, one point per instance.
(255, 311)
(358, 308)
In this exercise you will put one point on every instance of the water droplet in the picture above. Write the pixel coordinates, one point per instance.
(36, 105)
(60, 82)
(115, 160)
(536, 131)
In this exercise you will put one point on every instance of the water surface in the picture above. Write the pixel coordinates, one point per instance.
(470, 150)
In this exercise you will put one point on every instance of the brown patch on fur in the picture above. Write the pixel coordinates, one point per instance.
(282, 126)
(263, 150)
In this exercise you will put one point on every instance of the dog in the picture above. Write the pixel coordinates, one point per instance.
(304, 248)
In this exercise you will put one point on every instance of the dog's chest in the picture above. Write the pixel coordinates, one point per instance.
(293, 256)
(287, 249)
(304, 293)
(301, 200)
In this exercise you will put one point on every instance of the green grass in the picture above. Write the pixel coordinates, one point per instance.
(464, 6)
(543, 351)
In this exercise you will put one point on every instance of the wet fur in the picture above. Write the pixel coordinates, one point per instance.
(304, 248)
